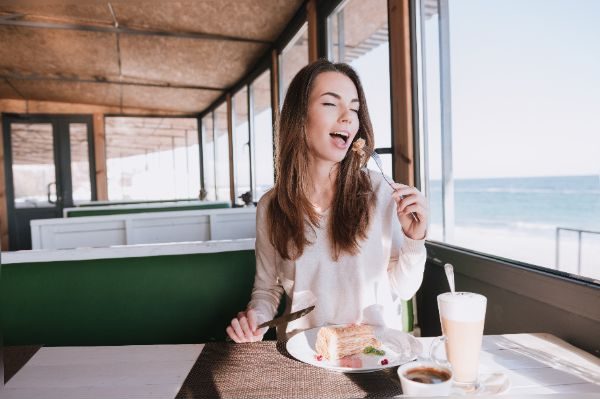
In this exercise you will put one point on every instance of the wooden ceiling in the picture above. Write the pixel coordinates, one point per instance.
(169, 55)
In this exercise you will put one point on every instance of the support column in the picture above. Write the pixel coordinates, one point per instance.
(232, 191)
(100, 157)
(446, 115)
(3, 199)
(401, 92)
(311, 17)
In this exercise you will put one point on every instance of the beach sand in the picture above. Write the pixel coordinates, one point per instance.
(530, 246)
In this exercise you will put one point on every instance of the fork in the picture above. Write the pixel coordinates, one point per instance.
(375, 156)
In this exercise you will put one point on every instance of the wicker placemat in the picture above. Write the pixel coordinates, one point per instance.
(15, 357)
(266, 370)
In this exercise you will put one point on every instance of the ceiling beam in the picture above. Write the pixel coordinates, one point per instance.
(102, 79)
(128, 31)
(9, 17)
(13, 87)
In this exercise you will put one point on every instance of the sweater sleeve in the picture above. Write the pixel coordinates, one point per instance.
(267, 289)
(407, 262)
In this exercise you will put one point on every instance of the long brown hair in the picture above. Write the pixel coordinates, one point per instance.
(290, 211)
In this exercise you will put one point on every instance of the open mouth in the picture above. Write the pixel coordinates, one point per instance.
(343, 135)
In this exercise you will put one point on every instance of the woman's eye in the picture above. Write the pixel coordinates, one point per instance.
(355, 111)
(329, 104)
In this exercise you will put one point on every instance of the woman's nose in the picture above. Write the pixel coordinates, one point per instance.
(346, 117)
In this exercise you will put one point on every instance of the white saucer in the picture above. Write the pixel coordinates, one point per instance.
(489, 384)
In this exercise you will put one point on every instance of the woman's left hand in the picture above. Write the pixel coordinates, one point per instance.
(410, 200)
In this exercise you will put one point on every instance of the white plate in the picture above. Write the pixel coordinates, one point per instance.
(399, 348)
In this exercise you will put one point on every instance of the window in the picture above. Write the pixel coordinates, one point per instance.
(241, 136)
(221, 135)
(511, 129)
(293, 57)
(208, 157)
(359, 36)
(164, 165)
(262, 131)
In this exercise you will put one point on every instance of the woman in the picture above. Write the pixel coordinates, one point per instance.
(331, 232)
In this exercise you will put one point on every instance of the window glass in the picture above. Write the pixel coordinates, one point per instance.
(512, 129)
(293, 57)
(359, 36)
(80, 165)
(208, 157)
(34, 173)
(163, 165)
(241, 136)
(263, 134)
(221, 135)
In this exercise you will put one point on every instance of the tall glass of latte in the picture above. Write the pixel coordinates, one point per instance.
(462, 315)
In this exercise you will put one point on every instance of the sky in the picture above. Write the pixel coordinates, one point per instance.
(525, 88)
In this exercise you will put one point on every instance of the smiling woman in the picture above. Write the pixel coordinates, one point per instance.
(331, 232)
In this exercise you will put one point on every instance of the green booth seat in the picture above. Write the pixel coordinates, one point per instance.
(146, 300)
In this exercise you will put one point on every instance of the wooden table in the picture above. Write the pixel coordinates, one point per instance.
(534, 364)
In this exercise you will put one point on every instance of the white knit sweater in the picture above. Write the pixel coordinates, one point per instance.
(364, 288)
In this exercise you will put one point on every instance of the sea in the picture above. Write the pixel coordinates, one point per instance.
(536, 204)
(518, 218)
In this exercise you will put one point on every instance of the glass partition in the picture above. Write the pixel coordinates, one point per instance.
(163, 165)
(262, 128)
(241, 136)
(293, 57)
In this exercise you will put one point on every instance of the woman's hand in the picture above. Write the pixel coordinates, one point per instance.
(410, 200)
(243, 328)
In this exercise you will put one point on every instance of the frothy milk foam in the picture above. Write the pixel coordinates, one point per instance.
(462, 316)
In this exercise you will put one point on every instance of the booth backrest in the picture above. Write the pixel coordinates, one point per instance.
(130, 202)
(121, 209)
(143, 228)
(145, 300)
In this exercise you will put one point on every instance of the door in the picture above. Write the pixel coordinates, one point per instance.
(49, 166)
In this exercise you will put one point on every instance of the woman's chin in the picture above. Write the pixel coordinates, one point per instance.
(334, 156)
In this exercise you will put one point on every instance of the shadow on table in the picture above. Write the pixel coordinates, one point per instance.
(15, 357)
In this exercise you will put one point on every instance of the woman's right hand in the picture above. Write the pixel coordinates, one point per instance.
(243, 328)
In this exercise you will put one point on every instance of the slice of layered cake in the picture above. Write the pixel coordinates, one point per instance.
(337, 342)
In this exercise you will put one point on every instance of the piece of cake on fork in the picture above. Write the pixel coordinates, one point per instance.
(336, 342)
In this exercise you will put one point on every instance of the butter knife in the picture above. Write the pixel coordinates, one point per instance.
(287, 318)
